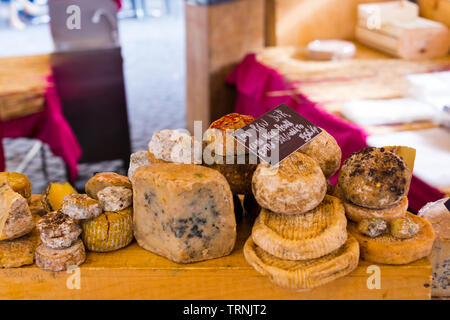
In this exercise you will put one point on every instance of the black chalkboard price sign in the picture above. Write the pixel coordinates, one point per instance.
(276, 134)
(447, 204)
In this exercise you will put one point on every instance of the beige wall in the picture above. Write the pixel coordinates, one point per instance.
(296, 22)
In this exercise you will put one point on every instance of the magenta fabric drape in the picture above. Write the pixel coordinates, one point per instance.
(254, 81)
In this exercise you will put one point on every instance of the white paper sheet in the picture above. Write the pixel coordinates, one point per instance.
(388, 111)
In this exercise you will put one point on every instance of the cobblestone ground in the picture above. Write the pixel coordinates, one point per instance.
(154, 64)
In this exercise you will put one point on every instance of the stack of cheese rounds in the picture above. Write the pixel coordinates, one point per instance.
(373, 185)
(300, 240)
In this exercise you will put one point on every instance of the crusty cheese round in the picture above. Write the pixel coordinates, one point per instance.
(294, 186)
(115, 198)
(304, 274)
(219, 138)
(390, 250)
(374, 178)
(81, 206)
(103, 180)
(325, 150)
(109, 231)
(304, 236)
(176, 146)
(60, 259)
(58, 230)
(358, 213)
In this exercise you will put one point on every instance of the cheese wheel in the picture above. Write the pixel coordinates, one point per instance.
(103, 180)
(18, 182)
(357, 213)
(295, 186)
(302, 237)
(304, 274)
(53, 195)
(183, 212)
(325, 150)
(15, 216)
(60, 259)
(390, 250)
(109, 231)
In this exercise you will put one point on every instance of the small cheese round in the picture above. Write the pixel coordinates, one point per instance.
(81, 206)
(108, 232)
(295, 186)
(174, 146)
(58, 230)
(374, 178)
(60, 259)
(115, 198)
(325, 150)
(103, 180)
(218, 137)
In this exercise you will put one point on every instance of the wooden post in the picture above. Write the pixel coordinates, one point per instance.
(217, 37)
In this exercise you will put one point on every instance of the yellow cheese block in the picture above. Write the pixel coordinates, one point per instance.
(406, 153)
(108, 232)
(18, 182)
(53, 195)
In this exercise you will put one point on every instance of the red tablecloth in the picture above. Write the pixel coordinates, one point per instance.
(50, 127)
(254, 80)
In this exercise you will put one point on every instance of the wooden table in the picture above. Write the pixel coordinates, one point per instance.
(133, 273)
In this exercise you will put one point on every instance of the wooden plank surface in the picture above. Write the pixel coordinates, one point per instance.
(133, 273)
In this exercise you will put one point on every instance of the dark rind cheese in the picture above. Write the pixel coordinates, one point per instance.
(183, 212)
